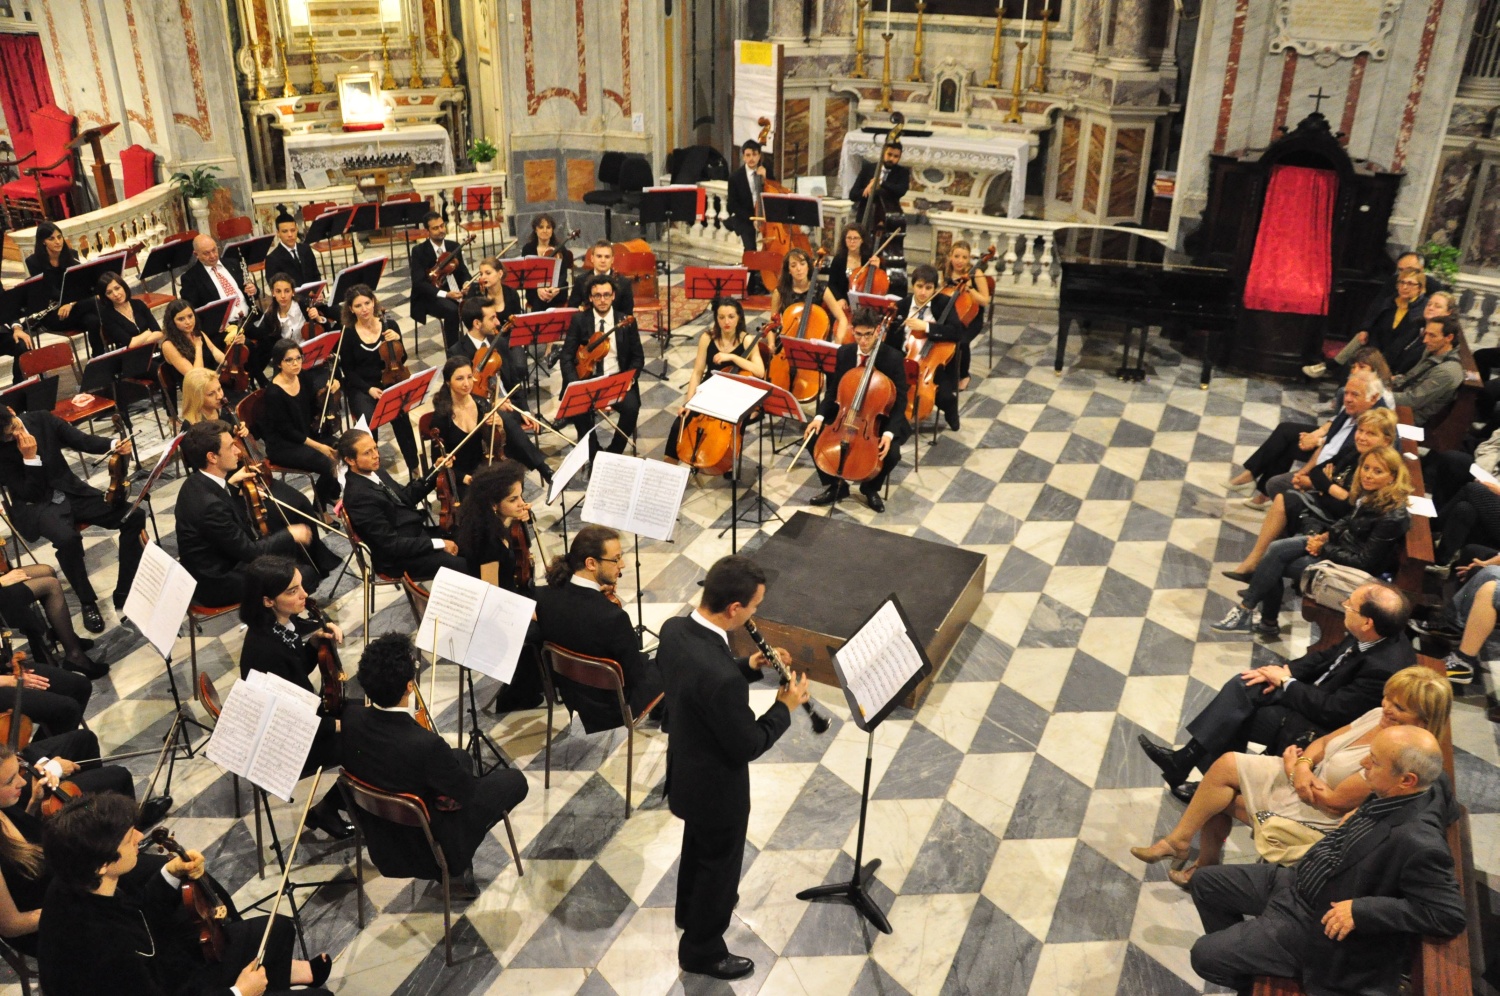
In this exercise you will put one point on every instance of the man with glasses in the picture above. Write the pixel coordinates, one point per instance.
(574, 612)
(212, 277)
(894, 427)
(600, 325)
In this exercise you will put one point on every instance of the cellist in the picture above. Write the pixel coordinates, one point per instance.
(958, 266)
(727, 346)
(854, 251)
(851, 358)
(797, 275)
(921, 314)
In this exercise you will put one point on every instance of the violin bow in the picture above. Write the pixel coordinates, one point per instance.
(286, 872)
(472, 433)
(298, 512)
(338, 357)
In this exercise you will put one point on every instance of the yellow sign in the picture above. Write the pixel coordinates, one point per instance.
(754, 53)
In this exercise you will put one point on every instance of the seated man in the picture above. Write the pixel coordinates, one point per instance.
(573, 612)
(1430, 385)
(215, 537)
(386, 517)
(1344, 918)
(603, 322)
(290, 255)
(1276, 704)
(440, 300)
(600, 261)
(211, 277)
(383, 744)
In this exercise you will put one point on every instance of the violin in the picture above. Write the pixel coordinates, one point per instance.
(255, 500)
(872, 219)
(849, 446)
(489, 359)
(393, 356)
(233, 376)
(15, 726)
(608, 591)
(557, 247)
(207, 910)
(520, 545)
(593, 352)
(119, 470)
(960, 300)
(423, 717)
(444, 265)
(446, 487)
(330, 668)
(492, 443)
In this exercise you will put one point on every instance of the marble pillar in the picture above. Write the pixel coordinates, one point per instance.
(1131, 35)
(1087, 19)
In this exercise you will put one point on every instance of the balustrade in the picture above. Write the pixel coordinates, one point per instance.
(134, 223)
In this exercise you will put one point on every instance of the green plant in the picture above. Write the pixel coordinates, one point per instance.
(197, 182)
(481, 151)
(1441, 259)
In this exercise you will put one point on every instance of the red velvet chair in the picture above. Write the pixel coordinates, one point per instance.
(138, 164)
(47, 173)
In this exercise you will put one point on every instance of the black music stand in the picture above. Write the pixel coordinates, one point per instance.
(168, 259)
(329, 225)
(80, 281)
(763, 387)
(705, 283)
(810, 354)
(665, 205)
(792, 209)
(15, 300)
(540, 328)
(401, 398)
(867, 716)
(252, 251)
(319, 348)
(777, 403)
(365, 218)
(583, 397)
(213, 318)
(402, 214)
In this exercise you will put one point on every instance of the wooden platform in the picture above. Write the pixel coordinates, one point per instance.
(826, 576)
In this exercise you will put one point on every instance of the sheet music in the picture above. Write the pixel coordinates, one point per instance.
(500, 633)
(1413, 432)
(726, 399)
(576, 460)
(452, 609)
(232, 745)
(1480, 474)
(265, 732)
(635, 495)
(277, 685)
(478, 625)
(1421, 505)
(159, 597)
(878, 660)
(284, 745)
(611, 486)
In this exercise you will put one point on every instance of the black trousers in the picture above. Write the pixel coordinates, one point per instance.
(243, 941)
(82, 747)
(625, 416)
(1445, 474)
(746, 230)
(423, 567)
(1239, 714)
(304, 457)
(519, 445)
(1234, 950)
(1277, 454)
(361, 404)
(58, 522)
(497, 793)
(445, 310)
(58, 707)
(873, 485)
(708, 885)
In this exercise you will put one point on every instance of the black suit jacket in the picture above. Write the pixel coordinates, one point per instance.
(1401, 878)
(199, 289)
(938, 330)
(388, 521)
(741, 196)
(888, 361)
(1352, 690)
(583, 620)
(715, 736)
(624, 292)
(303, 268)
(892, 188)
(214, 532)
(31, 487)
(423, 258)
(627, 345)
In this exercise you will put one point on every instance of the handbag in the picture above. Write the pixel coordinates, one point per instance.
(1330, 584)
(1283, 841)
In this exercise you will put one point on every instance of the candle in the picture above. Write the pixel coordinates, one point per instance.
(887, 16)
(1025, 13)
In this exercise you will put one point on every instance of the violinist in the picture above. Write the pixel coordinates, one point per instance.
(491, 533)
(387, 517)
(110, 920)
(291, 316)
(278, 640)
(290, 255)
(292, 409)
(439, 301)
(383, 744)
(894, 180)
(48, 499)
(727, 346)
(601, 322)
(888, 361)
(184, 347)
(20, 588)
(854, 251)
(958, 266)
(925, 319)
(215, 537)
(490, 291)
(600, 262)
(745, 187)
(543, 242)
(457, 410)
(211, 278)
(366, 326)
(114, 319)
(50, 260)
(574, 611)
(797, 277)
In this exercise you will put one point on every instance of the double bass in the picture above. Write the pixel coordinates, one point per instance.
(776, 237)
(848, 447)
(872, 218)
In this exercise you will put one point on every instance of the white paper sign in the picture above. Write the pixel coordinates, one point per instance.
(1413, 432)
(1421, 505)
(476, 624)
(1480, 474)
(159, 598)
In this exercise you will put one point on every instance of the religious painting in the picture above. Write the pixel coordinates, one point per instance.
(359, 101)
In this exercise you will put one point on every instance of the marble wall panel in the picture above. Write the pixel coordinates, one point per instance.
(1452, 197)
(1125, 173)
(1483, 249)
(581, 177)
(540, 176)
(835, 127)
(792, 149)
(1095, 167)
(1067, 161)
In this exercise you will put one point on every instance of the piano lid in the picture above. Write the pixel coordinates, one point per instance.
(1121, 247)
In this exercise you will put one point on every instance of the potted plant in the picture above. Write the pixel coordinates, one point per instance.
(482, 154)
(1441, 260)
(196, 186)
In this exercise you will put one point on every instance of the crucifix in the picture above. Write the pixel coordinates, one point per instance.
(1318, 99)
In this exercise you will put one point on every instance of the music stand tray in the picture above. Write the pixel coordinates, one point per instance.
(15, 300)
(880, 302)
(793, 209)
(669, 204)
(402, 397)
(532, 272)
(367, 272)
(253, 250)
(166, 258)
(366, 218)
(541, 328)
(319, 348)
(584, 396)
(709, 282)
(811, 354)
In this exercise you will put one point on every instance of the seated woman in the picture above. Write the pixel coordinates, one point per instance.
(278, 640)
(19, 588)
(854, 250)
(1438, 305)
(292, 407)
(544, 242)
(1471, 516)
(1316, 787)
(50, 258)
(115, 320)
(960, 264)
(1389, 325)
(1371, 361)
(457, 410)
(184, 346)
(1368, 538)
(489, 286)
(366, 327)
(1319, 496)
(798, 278)
(291, 316)
(726, 345)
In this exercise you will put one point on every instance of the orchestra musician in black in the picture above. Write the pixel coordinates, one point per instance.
(602, 321)
(386, 516)
(895, 181)
(291, 256)
(439, 300)
(213, 276)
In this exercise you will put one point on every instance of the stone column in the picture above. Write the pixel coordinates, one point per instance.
(1128, 41)
(1086, 25)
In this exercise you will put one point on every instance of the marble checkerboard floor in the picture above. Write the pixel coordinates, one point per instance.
(1003, 809)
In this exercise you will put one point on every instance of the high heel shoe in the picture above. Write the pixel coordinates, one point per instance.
(1181, 876)
(1150, 855)
(322, 967)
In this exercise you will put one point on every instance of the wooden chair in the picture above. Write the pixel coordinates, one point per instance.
(204, 613)
(369, 578)
(45, 359)
(248, 411)
(135, 371)
(756, 262)
(595, 672)
(47, 171)
(417, 595)
(138, 166)
(640, 269)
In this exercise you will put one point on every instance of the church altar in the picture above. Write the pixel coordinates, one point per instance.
(320, 150)
(973, 162)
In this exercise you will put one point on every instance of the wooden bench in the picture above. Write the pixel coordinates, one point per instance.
(1442, 966)
(1446, 429)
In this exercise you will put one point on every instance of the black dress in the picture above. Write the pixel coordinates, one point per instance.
(48, 291)
(285, 424)
(742, 350)
(360, 368)
(26, 892)
(519, 445)
(106, 328)
(534, 301)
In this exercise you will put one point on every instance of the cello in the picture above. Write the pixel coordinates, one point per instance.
(803, 320)
(872, 218)
(848, 447)
(709, 444)
(871, 277)
(933, 356)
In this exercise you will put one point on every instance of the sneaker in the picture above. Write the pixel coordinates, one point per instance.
(1315, 370)
(1236, 620)
(1460, 671)
(1435, 627)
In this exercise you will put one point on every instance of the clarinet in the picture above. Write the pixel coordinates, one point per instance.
(818, 720)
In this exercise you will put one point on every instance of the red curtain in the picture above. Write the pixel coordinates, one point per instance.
(1292, 268)
(24, 83)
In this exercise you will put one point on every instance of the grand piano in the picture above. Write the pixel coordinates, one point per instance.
(1118, 277)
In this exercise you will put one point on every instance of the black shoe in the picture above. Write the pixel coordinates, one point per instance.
(118, 600)
(1171, 765)
(153, 811)
(463, 886)
(85, 644)
(1243, 577)
(92, 620)
(336, 827)
(1183, 791)
(88, 667)
(729, 967)
(322, 967)
(876, 503)
(830, 494)
(1437, 628)
(952, 419)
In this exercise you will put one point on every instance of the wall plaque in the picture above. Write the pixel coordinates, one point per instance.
(1329, 30)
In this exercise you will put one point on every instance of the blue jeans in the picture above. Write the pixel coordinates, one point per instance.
(1463, 603)
(1285, 558)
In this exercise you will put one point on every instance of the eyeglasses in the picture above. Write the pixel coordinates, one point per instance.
(1407, 283)
(611, 560)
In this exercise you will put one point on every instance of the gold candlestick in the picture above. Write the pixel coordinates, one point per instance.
(388, 79)
(1014, 115)
(993, 80)
(415, 82)
(312, 66)
(261, 93)
(288, 88)
(916, 51)
(1039, 81)
(885, 73)
(447, 78)
(859, 41)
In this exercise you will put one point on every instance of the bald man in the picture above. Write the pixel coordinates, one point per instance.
(1344, 918)
(212, 277)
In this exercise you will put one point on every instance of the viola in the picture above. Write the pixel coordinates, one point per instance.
(444, 265)
(330, 668)
(423, 717)
(393, 356)
(872, 219)
(489, 359)
(233, 375)
(557, 247)
(206, 909)
(848, 447)
(446, 487)
(119, 470)
(255, 501)
(593, 352)
(608, 590)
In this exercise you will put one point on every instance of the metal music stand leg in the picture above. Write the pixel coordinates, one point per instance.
(665, 333)
(183, 741)
(855, 892)
(641, 629)
(478, 739)
(759, 507)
